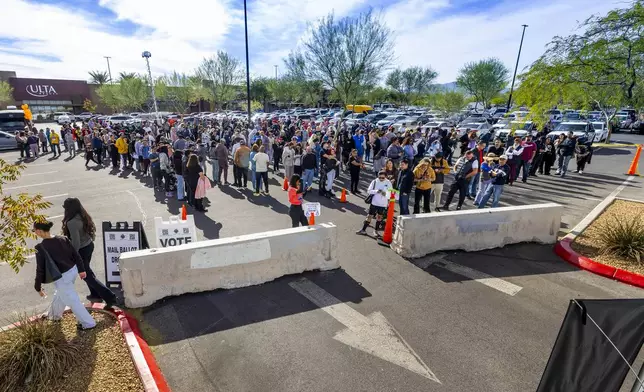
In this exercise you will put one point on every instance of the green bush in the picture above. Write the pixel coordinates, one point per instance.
(34, 354)
(623, 238)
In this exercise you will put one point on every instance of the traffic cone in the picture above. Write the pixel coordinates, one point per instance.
(632, 171)
(343, 196)
(285, 184)
(184, 212)
(388, 235)
(311, 219)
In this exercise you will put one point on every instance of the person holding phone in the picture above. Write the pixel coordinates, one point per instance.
(57, 259)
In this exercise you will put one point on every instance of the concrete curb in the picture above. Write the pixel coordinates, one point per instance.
(563, 247)
(144, 361)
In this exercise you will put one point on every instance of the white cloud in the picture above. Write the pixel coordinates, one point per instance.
(179, 37)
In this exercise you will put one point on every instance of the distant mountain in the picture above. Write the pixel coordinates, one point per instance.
(447, 86)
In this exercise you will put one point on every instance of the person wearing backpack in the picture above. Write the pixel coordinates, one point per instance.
(59, 263)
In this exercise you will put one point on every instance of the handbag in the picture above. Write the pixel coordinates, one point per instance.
(52, 273)
(368, 199)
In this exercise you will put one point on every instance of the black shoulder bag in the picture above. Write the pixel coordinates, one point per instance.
(52, 273)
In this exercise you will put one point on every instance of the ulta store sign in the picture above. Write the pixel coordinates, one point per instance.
(40, 90)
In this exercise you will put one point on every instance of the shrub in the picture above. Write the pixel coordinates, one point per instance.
(34, 354)
(623, 238)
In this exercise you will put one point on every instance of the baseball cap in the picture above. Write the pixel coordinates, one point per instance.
(504, 157)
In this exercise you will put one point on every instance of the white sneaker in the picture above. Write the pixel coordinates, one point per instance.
(581, 172)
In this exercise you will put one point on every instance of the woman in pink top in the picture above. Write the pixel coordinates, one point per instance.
(295, 198)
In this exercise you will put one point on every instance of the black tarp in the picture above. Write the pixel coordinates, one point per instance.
(582, 359)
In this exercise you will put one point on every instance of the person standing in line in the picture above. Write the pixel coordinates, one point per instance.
(214, 162)
(548, 157)
(221, 155)
(404, 183)
(497, 149)
(330, 167)
(295, 197)
(309, 165)
(441, 168)
(390, 172)
(514, 153)
(114, 152)
(253, 180)
(202, 153)
(145, 153)
(472, 186)
(395, 152)
(69, 142)
(177, 163)
(527, 156)
(538, 158)
(242, 160)
(581, 155)
(97, 146)
(155, 170)
(500, 175)
(60, 252)
(32, 142)
(355, 164)
(194, 175)
(566, 151)
(122, 148)
(261, 161)
(277, 154)
(42, 138)
(297, 160)
(89, 153)
(466, 167)
(379, 189)
(79, 227)
(288, 159)
(55, 143)
(423, 176)
(486, 178)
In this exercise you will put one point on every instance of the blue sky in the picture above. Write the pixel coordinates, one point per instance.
(66, 39)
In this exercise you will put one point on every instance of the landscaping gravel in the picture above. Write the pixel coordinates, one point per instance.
(587, 243)
(106, 365)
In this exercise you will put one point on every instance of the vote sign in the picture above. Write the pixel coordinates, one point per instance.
(175, 231)
(312, 208)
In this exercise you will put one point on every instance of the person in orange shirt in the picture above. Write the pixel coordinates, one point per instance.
(295, 198)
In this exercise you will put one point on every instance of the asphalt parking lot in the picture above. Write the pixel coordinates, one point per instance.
(453, 332)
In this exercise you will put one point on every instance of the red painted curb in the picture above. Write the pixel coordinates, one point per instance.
(564, 250)
(146, 365)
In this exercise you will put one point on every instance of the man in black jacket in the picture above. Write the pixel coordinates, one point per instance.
(405, 183)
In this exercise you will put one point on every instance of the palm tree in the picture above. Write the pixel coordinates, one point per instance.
(99, 77)
(127, 75)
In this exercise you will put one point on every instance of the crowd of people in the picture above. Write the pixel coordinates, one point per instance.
(179, 155)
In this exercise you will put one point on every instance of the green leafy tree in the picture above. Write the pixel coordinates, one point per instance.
(126, 75)
(284, 89)
(221, 75)
(255, 106)
(449, 102)
(17, 215)
(128, 94)
(602, 67)
(347, 55)
(179, 90)
(109, 95)
(6, 93)
(99, 77)
(412, 83)
(260, 90)
(483, 79)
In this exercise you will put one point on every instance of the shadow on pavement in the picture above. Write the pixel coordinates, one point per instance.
(512, 260)
(612, 151)
(190, 315)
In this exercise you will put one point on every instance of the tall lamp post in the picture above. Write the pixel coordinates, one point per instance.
(146, 55)
(516, 67)
(247, 63)
(109, 71)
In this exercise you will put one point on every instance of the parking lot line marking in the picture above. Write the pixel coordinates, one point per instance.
(27, 186)
(55, 196)
(54, 217)
(38, 174)
(38, 164)
(481, 277)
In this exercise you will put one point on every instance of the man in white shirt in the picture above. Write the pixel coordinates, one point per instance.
(380, 191)
(261, 169)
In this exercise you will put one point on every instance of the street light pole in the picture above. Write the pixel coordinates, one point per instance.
(147, 56)
(109, 71)
(275, 72)
(247, 63)
(516, 67)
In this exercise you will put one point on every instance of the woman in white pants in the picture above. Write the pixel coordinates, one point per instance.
(59, 263)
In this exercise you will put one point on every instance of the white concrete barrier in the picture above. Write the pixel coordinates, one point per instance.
(471, 230)
(151, 274)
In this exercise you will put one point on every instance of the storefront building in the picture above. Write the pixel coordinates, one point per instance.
(45, 96)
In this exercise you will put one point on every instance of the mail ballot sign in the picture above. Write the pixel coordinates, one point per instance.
(175, 231)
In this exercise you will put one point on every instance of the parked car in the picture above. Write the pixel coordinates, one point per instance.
(119, 119)
(56, 115)
(516, 128)
(582, 130)
(85, 116)
(8, 141)
(601, 131)
(375, 117)
(389, 120)
(480, 128)
(66, 119)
